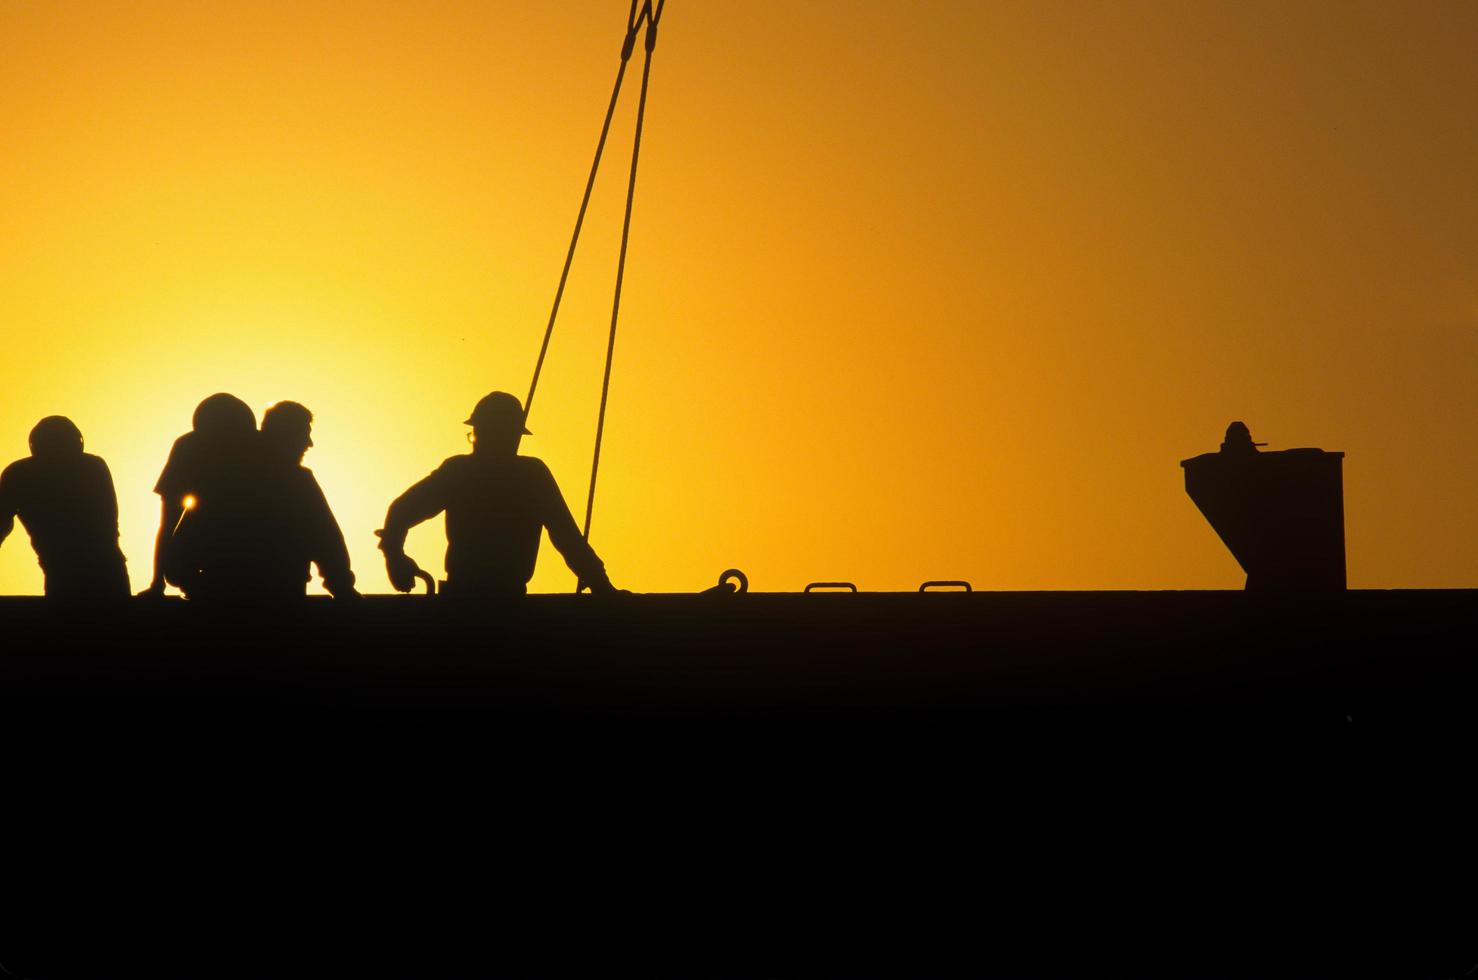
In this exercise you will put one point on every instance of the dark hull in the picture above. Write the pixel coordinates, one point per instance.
(1032, 784)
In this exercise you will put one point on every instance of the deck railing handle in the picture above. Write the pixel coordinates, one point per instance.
(430, 582)
(946, 584)
(814, 586)
(731, 581)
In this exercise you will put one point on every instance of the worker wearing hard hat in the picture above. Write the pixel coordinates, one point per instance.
(496, 502)
(64, 498)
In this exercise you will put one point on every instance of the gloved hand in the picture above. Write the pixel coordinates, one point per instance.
(402, 570)
(600, 585)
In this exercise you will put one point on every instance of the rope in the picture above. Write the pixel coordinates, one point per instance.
(641, 109)
(632, 23)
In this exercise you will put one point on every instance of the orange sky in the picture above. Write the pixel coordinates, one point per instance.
(924, 290)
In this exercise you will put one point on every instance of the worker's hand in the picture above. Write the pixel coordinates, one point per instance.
(345, 594)
(402, 570)
(601, 586)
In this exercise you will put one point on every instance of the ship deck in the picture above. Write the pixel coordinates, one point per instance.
(780, 785)
(753, 659)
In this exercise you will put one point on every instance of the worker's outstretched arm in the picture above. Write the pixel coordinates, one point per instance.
(565, 535)
(329, 552)
(420, 503)
(107, 493)
(7, 510)
(169, 516)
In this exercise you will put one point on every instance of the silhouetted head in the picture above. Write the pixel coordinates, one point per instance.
(225, 418)
(497, 424)
(1239, 439)
(55, 437)
(287, 431)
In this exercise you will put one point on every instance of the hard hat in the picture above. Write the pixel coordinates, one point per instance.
(498, 410)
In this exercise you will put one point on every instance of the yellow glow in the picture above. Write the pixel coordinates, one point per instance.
(189, 501)
(938, 291)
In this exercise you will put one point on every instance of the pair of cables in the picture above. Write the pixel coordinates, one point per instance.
(648, 15)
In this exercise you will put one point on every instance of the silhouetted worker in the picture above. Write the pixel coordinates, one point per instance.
(496, 501)
(1238, 440)
(298, 528)
(208, 508)
(64, 498)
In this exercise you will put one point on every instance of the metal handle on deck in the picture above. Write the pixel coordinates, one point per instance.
(946, 584)
(430, 582)
(831, 585)
(739, 583)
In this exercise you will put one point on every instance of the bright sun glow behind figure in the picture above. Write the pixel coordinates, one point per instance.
(916, 291)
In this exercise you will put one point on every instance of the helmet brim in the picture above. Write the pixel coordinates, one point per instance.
(524, 430)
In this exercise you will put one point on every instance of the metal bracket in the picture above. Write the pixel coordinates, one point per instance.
(946, 584)
(740, 583)
(816, 586)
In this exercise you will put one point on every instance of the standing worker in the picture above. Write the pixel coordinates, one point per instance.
(496, 502)
(65, 499)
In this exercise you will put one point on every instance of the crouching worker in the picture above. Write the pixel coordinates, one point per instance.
(64, 498)
(496, 502)
(208, 525)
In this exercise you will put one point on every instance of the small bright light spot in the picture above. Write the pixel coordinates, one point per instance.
(189, 501)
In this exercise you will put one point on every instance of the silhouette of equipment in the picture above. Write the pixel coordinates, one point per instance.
(1281, 514)
(936, 585)
(831, 587)
(731, 582)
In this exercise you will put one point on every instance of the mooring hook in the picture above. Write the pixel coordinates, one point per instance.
(946, 584)
(814, 586)
(740, 583)
(430, 582)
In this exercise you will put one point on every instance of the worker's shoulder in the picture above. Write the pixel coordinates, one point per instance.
(531, 464)
(184, 452)
(17, 470)
(185, 443)
(301, 476)
(471, 466)
(533, 470)
(454, 464)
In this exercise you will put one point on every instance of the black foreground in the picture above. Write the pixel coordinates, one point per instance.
(892, 785)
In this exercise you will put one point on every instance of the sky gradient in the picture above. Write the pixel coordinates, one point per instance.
(915, 291)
